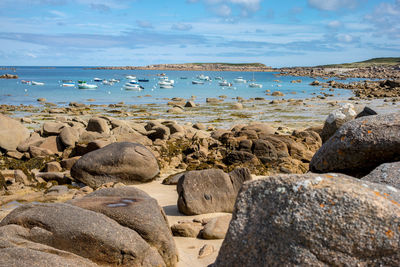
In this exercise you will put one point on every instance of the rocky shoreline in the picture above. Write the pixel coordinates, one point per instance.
(180, 191)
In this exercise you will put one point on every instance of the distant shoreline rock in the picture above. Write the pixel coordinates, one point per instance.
(8, 76)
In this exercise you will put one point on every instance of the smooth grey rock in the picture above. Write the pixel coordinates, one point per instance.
(386, 174)
(69, 136)
(12, 133)
(124, 162)
(99, 125)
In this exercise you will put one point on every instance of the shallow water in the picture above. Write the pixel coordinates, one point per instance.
(13, 92)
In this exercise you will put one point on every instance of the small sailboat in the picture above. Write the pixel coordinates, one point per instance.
(87, 86)
(37, 83)
(197, 82)
(143, 80)
(132, 87)
(255, 85)
(218, 78)
(239, 80)
(97, 79)
(130, 77)
(225, 83)
(68, 84)
(203, 77)
(25, 82)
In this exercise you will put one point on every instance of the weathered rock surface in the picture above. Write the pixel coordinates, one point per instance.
(387, 174)
(313, 220)
(124, 162)
(336, 119)
(12, 133)
(134, 209)
(360, 145)
(216, 228)
(208, 191)
(187, 229)
(98, 125)
(85, 233)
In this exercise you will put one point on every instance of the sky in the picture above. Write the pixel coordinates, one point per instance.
(142, 32)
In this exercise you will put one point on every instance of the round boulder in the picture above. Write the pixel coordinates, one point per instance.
(12, 133)
(125, 162)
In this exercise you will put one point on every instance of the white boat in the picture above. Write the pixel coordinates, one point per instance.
(25, 82)
(255, 85)
(37, 83)
(218, 78)
(97, 79)
(166, 86)
(197, 82)
(203, 77)
(68, 84)
(87, 86)
(164, 79)
(130, 77)
(225, 83)
(132, 87)
(105, 82)
(114, 81)
(239, 80)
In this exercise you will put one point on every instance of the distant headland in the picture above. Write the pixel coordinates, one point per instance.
(256, 67)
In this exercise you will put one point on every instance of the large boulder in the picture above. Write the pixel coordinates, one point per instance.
(209, 191)
(134, 209)
(99, 125)
(360, 145)
(12, 133)
(387, 173)
(313, 220)
(125, 162)
(85, 233)
(336, 119)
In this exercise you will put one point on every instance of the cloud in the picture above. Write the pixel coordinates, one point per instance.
(58, 14)
(332, 5)
(100, 7)
(224, 8)
(144, 24)
(181, 27)
(385, 19)
(334, 24)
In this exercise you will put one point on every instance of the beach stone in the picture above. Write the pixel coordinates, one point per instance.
(53, 166)
(52, 143)
(366, 112)
(52, 128)
(262, 129)
(208, 191)
(12, 133)
(124, 162)
(82, 232)
(175, 128)
(173, 179)
(135, 209)
(68, 163)
(159, 132)
(69, 136)
(237, 106)
(88, 136)
(277, 93)
(360, 145)
(187, 229)
(190, 104)
(216, 228)
(213, 100)
(35, 152)
(206, 250)
(336, 119)
(313, 220)
(99, 125)
(387, 174)
(34, 140)
(176, 109)
(199, 126)
(127, 134)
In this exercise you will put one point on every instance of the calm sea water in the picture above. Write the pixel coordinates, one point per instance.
(13, 92)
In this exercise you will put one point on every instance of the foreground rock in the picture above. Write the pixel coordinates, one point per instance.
(387, 173)
(360, 145)
(12, 133)
(134, 209)
(209, 190)
(84, 233)
(124, 162)
(317, 220)
(336, 119)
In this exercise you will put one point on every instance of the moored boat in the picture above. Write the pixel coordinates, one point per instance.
(255, 85)
(239, 80)
(132, 87)
(68, 84)
(26, 82)
(197, 82)
(97, 79)
(218, 78)
(144, 80)
(37, 83)
(130, 77)
(87, 86)
(225, 83)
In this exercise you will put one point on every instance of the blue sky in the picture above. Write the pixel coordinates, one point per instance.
(141, 32)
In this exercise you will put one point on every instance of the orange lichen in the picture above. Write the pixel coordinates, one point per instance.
(325, 162)
(322, 205)
(343, 138)
(389, 233)
(340, 152)
(369, 131)
(331, 201)
(328, 176)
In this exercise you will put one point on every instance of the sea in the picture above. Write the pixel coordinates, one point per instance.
(14, 92)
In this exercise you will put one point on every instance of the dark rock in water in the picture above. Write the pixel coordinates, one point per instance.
(360, 145)
(386, 174)
(336, 119)
(88, 234)
(135, 209)
(366, 112)
(313, 220)
(209, 191)
(190, 104)
(124, 162)
(9, 76)
(12, 133)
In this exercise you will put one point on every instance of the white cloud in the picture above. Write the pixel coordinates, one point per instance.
(332, 5)
(31, 55)
(144, 24)
(58, 13)
(345, 38)
(334, 24)
(224, 7)
(222, 10)
(181, 27)
(385, 19)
